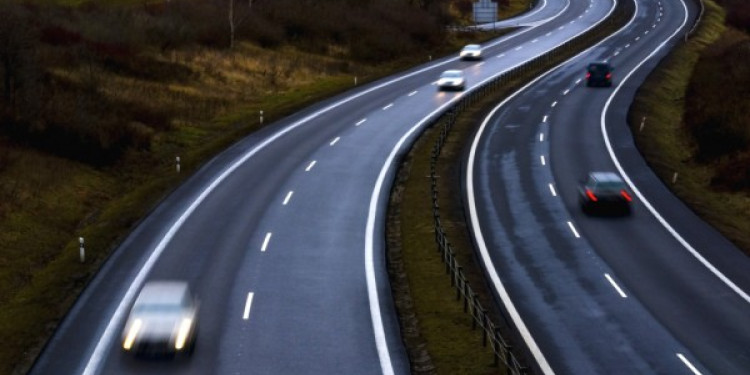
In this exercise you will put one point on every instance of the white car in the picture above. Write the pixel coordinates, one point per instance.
(451, 80)
(471, 52)
(162, 320)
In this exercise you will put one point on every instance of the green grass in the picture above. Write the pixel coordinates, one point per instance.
(666, 144)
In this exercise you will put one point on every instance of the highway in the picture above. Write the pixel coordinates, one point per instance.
(657, 292)
(282, 235)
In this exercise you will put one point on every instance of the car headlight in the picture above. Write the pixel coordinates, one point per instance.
(182, 334)
(132, 334)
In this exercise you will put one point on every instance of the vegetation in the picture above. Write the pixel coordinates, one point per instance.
(96, 101)
(696, 104)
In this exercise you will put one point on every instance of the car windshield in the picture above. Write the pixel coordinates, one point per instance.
(599, 68)
(451, 74)
(471, 47)
(157, 308)
(610, 185)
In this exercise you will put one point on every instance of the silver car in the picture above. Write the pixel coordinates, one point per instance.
(162, 320)
(471, 52)
(451, 80)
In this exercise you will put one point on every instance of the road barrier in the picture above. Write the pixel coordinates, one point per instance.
(503, 351)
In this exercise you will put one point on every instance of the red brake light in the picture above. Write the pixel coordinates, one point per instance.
(588, 75)
(626, 195)
(591, 195)
(609, 75)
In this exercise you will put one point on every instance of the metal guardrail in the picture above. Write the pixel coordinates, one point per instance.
(503, 351)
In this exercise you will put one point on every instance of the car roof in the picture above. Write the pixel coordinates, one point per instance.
(163, 292)
(605, 177)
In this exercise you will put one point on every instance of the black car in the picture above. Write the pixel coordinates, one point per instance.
(605, 192)
(599, 74)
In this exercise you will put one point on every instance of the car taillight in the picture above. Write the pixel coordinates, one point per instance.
(588, 75)
(626, 195)
(591, 195)
(609, 75)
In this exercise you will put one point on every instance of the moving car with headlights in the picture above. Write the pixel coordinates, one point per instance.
(471, 52)
(162, 321)
(451, 80)
(605, 192)
(599, 74)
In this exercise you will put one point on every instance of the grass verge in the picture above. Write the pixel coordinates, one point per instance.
(666, 145)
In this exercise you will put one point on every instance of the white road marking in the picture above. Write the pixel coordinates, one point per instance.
(646, 32)
(561, 27)
(480, 64)
(579, 81)
(541, 137)
(653, 26)
(413, 93)
(572, 22)
(605, 135)
(248, 304)
(265, 242)
(309, 167)
(688, 364)
(627, 45)
(288, 197)
(541, 158)
(554, 104)
(614, 284)
(360, 122)
(548, 34)
(566, 92)
(573, 229)
(500, 55)
(388, 106)
(637, 38)
(617, 53)
(544, 119)
(519, 48)
(333, 142)
(552, 190)
(535, 40)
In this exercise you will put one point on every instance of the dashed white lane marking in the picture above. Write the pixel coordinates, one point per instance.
(572, 22)
(519, 48)
(541, 137)
(573, 229)
(535, 40)
(627, 45)
(310, 166)
(288, 197)
(617, 53)
(637, 38)
(248, 304)
(614, 284)
(360, 122)
(581, 16)
(541, 158)
(566, 92)
(548, 34)
(688, 364)
(561, 27)
(265, 242)
(333, 142)
(554, 104)
(646, 32)
(579, 81)
(552, 190)
(500, 55)
(388, 106)
(480, 64)
(413, 93)
(545, 118)
(653, 26)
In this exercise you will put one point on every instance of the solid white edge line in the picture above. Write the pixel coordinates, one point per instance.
(573, 229)
(310, 166)
(637, 192)
(92, 366)
(248, 303)
(266, 241)
(688, 364)
(614, 285)
(288, 197)
(552, 190)
(474, 219)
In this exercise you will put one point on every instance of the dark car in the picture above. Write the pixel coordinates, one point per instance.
(605, 192)
(162, 321)
(599, 74)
